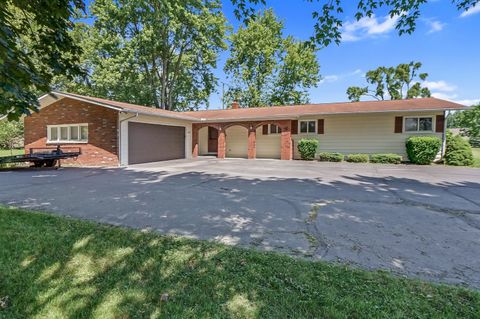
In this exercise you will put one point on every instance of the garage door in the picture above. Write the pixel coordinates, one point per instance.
(152, 142)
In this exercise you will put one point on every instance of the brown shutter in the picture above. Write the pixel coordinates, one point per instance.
(265, 129)
(398, 124)
(440, 123)
(320, 126)
(294, 126)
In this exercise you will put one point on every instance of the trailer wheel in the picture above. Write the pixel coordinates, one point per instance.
(50, 163)
(38, 163)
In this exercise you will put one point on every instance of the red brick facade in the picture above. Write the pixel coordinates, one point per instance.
(102, 146)
(286, 144)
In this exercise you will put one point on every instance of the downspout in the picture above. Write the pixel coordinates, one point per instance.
(120, 150)
(444, 134)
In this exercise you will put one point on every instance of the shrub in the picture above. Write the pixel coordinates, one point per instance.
(357, 158)
(423, 149)
(458, 151)
(307, 148)
(330, 157)
(386, 158)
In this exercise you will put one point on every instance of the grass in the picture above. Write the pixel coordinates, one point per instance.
(55, 267)
(476, 157)
(11, 152)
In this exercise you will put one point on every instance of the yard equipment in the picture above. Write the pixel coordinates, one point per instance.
(45, 156)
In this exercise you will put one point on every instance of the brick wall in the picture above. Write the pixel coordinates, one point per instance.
(102, 146)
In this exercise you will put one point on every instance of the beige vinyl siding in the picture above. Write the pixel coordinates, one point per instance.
(203, 141)
(363, 133)
(237, 141)
(267, 146)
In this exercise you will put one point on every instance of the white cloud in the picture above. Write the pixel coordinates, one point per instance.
(337, 77)
(444, 96)
(368, 27)
(441, 86)
(434, 26)
(472, 10)
(469, 102)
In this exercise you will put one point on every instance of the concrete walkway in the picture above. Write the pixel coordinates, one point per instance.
(412, 220)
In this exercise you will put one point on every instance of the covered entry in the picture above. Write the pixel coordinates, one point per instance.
(154, 142)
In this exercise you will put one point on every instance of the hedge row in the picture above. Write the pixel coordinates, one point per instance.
(360, 158)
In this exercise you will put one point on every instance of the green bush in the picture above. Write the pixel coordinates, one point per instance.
(386, 158)
(423, 149)
(330, 157)
(307, 148)
(357, 158)
(458, 151)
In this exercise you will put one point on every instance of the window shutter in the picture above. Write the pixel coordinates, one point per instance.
(440, 123)
(265, 129)
(320, 126)
(398, 124)
(294, 126)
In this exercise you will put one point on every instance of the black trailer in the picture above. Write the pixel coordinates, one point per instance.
(46, 156)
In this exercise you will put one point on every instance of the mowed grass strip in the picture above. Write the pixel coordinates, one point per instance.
(55, 267)
(476, 157)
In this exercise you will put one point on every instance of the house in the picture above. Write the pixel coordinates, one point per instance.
(113, 133)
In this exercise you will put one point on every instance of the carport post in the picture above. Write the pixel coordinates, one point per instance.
(286, 140)
(221, 149)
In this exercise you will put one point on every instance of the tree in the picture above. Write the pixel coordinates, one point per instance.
(395, 83)
(157, 53)
(468, 121)
(11, 134)
(329, 19)
(266, 68)
(35, 45)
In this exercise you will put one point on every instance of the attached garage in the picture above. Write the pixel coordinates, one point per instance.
(155, 142)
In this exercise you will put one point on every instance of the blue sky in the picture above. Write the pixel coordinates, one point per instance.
(446, 41)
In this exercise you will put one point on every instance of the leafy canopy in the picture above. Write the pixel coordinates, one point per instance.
(266, 68)
(395, 83)
(35, 45)
(468, 121)
(329, 19)
(159, 53)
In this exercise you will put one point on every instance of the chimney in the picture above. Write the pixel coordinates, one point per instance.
(235, 105)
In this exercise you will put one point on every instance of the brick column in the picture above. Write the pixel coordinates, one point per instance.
(195, 129)
(286, 140)
(252, 147)
(222, 147)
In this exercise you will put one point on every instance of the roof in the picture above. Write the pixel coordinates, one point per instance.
(121, 106)
(296, 111)
(274, 112)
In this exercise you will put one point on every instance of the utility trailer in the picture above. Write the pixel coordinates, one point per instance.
(45, 156)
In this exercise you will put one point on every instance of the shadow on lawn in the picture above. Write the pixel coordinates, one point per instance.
(69, 269)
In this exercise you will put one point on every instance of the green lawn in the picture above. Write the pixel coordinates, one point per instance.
(11, 152)
(53, 267)
(476, 156)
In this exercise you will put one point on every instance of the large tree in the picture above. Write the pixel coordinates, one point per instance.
(158, 53)
(35, 45)
(265, 68)
(468, 121)
(329, 17)
(394, 83)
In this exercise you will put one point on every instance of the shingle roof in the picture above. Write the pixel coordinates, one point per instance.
(294, 111)
(279, 112)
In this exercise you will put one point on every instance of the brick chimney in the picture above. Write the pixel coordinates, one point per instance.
(235, 105)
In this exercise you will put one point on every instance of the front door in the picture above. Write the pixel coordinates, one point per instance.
(212, 140)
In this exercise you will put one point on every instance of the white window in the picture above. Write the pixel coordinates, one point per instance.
(418, 124)
(275, 129)
(308, 126)
(71, 133)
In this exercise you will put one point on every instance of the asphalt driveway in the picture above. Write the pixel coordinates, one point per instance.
(416, 221)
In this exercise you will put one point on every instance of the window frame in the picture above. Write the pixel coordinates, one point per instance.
(418, 124)
(307, 121)
(68, 140)
(278, 130)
